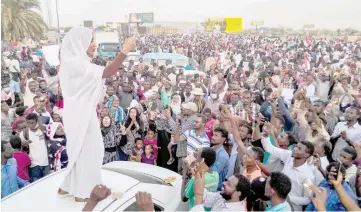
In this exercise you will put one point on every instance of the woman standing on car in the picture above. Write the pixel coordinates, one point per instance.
(82, 86)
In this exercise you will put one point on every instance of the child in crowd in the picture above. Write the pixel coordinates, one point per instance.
(20, 111)
(150, 139)
(22, 159)
(137, 150)
(171, 143)
(57, 118)
(148, 156)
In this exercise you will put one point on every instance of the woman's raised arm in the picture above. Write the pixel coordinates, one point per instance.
(113, 67)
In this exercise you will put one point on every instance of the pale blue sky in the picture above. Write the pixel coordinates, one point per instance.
(332, 14)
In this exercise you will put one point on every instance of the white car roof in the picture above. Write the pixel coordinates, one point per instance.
(42, 195)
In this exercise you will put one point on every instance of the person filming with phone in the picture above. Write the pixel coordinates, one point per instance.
(333, 202)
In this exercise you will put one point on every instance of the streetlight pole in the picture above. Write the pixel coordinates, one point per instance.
(57, 18)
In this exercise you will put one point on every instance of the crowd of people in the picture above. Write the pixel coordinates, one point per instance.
(272, 124)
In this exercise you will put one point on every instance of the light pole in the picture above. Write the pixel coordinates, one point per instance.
(57, 18)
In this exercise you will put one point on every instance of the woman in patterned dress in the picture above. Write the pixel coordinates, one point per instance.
(110, 139)
(58, 157)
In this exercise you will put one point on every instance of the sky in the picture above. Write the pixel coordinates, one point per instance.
(324, 14)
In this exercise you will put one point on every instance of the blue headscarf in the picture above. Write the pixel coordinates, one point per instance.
(116, 113)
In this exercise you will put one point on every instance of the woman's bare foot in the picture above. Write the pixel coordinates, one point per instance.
(77, 199)
(62, 192)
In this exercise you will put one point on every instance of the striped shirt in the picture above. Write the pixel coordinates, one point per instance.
(187, 124)
(240, 110)
(195, 142)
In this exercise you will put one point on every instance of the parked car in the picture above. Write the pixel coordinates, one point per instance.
(120, 176)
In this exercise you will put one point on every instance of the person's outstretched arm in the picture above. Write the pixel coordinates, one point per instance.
(113, 67)
(345, 199)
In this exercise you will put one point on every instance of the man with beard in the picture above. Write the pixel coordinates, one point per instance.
(333, 202)
(295, 167)
(147, 91)
(231, 198)
(125, 95)
(219, 138)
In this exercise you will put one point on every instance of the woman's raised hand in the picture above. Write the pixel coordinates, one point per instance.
(122, 129)
(129, 45)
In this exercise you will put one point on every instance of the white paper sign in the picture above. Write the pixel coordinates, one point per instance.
(51, 54)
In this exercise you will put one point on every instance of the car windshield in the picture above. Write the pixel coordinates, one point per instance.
(109, 47)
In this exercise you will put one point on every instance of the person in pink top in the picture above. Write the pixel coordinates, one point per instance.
(22, 159)
(20, 116)
(150, 139)
(210, 122)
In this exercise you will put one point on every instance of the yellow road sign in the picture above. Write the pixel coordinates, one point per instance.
(233, 24)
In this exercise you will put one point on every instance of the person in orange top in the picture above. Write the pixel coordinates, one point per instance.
(253, 157)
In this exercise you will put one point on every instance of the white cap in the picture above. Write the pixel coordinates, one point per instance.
(190, 106)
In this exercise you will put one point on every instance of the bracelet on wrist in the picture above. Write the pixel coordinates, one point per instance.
(200, 194)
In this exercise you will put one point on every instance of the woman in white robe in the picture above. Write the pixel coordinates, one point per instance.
(82, 86)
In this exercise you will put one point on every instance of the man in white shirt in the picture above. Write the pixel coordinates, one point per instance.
(14, 65)
(295, 167)
(323, 85)
(35, 139)
(231, 198)
(322, 148)
(336, 56)
(348, 132)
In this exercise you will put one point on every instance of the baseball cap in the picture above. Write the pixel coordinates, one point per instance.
(190, 106)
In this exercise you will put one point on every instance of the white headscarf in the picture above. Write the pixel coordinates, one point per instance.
(73, 54)
(75, 45)
(51, 130)
(82, 87)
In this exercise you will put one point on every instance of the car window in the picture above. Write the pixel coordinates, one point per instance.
(133, 207)
(132, 57)
(142, 177)
(110, 47)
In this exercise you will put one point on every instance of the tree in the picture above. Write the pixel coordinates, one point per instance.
(21, 19)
